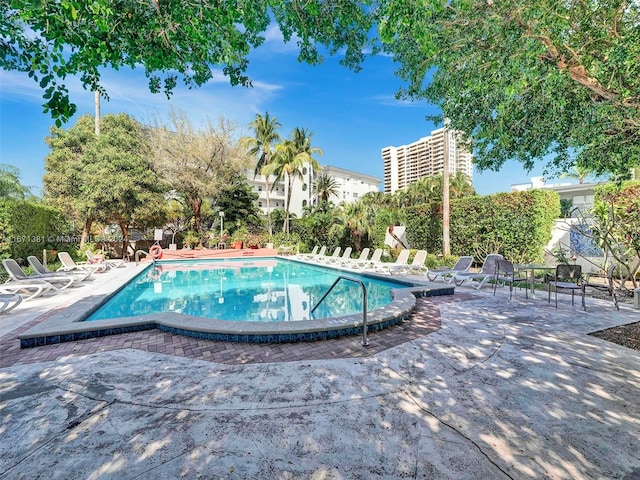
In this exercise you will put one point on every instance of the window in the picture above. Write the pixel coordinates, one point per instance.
(304, 203)
(260, 188)
(355, 194)
(260, 204)
(304, 187)
(304, 171)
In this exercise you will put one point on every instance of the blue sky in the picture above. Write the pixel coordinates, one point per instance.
(352, 115)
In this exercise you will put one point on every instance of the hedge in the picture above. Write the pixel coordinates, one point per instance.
(27, 228)
(516, 224)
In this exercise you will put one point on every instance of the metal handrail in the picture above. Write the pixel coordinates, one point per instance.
(365, 342)
(137, 257)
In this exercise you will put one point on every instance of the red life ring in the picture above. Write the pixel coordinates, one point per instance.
(155, 273)
(156, 252)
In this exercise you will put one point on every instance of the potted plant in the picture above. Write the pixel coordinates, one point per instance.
(254, 240)
(190, 240)
(239, 237)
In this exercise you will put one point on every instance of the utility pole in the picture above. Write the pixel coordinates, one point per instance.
(446, 247)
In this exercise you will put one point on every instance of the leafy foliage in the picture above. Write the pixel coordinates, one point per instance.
(27, 228)
(106, 178)
(171, 39)
(197, 163)
(549, 80)
(10, 186)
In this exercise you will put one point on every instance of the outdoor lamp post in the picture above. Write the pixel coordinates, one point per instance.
(221, 213)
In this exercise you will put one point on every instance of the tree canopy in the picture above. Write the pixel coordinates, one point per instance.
(527, 80)
(535, 81)
(171, 39)
(106, 178)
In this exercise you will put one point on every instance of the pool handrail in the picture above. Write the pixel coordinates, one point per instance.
(365, 341)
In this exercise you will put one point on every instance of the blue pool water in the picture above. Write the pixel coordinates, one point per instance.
(258, 290)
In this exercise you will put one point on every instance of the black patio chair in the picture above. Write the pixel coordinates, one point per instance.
(506, 274)
(566, 277)
(604, 285)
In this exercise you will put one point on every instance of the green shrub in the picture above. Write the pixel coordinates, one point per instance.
(27, 228)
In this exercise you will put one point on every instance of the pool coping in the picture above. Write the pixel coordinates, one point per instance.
(66, 325)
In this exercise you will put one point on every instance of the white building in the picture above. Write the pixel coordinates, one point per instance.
(425, 157)
(350, 185)
(581, 195)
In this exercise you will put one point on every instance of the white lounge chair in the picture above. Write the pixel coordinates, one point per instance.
(478, 279)
(371, 263)
(351, 262)
(9, 301)
(328, 258)
(68, 264)
(313, 253)
(30, 289)
(94, 259)
(59, 282)
(401, 262)
(43, 272)
(446, 274)
(346, 255)
(415, 267)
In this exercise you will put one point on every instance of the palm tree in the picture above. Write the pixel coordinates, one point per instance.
(10, 186)
(359, 220)
(290, 157)
(579, 172)
(460, 186)
(265, 131)
(325, 186)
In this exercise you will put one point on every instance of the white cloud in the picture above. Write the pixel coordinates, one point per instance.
(392, 101)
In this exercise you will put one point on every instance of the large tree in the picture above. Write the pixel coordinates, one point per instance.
(170, 39)
(198, 163)
(106, 178)
(551, 80)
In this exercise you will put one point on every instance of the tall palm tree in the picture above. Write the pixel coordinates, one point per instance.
(290, 157)
(265, 131)
(325, 186)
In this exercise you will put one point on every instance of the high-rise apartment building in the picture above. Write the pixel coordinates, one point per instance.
(407, 164)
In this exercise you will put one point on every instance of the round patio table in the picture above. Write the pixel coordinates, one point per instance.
(531, 268)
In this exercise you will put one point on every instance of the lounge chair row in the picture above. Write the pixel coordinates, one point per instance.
(21, 286)
(363, 262)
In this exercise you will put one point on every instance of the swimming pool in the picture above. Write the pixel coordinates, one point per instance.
(273, 290)
(262, 322)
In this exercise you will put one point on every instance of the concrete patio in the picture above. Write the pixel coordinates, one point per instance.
(488, 389)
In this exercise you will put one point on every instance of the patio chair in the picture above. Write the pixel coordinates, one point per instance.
(506, 274)
(44, 272)
(566, 277)
(98, 259)
(9, 301)
(371, 263)
(478, 279)
(350, 262)
(346, 255)
(401, 261)
(30, 289)
(58, 282)
(604, 285)
(417, 266)
(310, 254)
(446, 274)
(328, 258)
(68, 264)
